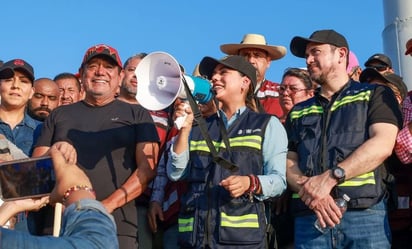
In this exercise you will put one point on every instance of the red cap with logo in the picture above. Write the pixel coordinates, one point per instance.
(102, 49)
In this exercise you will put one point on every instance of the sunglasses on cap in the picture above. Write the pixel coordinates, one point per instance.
(379, 68)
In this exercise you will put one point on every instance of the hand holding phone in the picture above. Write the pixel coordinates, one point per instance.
(26, 178)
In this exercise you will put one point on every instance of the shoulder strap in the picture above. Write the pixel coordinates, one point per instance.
(202, 125)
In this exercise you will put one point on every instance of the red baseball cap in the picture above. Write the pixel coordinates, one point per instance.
(102, 49)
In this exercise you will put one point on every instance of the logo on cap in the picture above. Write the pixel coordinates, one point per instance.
(18, 62)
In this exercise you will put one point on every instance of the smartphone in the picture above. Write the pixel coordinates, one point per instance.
(26, 178)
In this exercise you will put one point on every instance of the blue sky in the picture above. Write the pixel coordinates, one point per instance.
(53, 35)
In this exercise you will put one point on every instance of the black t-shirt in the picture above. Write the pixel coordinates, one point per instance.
(105, 139)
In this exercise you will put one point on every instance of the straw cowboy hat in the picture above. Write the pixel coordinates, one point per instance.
(254, 41)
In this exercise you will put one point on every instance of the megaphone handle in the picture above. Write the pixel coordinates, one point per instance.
(180, 120)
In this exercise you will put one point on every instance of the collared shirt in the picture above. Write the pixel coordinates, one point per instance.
(268, 94)
(273, 180)
(23, 135)
(403, 146)
(85, 224)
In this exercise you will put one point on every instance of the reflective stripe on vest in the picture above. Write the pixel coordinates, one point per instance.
(186, 225)
(368, 178)
(253, 141)
(244, 221)
(362, 96)
(314, 109)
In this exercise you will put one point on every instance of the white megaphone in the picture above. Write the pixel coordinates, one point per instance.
(160, 82)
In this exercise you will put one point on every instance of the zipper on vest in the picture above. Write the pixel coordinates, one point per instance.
(324, 147)
(209, 233)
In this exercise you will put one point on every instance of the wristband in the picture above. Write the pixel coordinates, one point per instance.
(125, 193)
(253, 187)
(254, 184)
(76, 188)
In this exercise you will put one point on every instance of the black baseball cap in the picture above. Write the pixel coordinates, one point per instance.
(381, 58)
(236, 62)
(8, 68)
(369, 74)
(326, 36)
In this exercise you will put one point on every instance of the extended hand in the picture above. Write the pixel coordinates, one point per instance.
(67, 150)
(67, 175)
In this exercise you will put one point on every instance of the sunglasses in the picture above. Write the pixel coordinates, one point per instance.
(353, 71)
(379, 68)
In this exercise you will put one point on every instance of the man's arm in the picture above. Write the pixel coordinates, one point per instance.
(373, 152)
(40, 151)
(293, 173)
(68, 151)
(135, 185)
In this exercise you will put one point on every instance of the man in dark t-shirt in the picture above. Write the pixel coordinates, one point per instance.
(116, 143)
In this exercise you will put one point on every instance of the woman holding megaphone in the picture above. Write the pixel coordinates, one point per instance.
(224, 207)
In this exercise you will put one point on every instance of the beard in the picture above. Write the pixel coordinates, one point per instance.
(320, 76)
(130, 90)
(321, 80)
(39, 116)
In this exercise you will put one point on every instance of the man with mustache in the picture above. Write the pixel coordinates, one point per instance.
(115, 143)
(44, 100)
(338, 142)
(70, 88)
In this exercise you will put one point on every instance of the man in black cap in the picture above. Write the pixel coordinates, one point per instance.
(392, 80)
(380, 62)
(338, 141)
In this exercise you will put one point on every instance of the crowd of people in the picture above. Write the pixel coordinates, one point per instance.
(255, 167)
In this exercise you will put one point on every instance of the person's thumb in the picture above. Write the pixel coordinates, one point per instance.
(57, 158)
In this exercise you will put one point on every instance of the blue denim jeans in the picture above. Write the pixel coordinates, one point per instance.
(85, 224)
(170, 237)
(359, 229)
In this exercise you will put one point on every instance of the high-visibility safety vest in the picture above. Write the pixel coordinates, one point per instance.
(326, 135)
(209, 216)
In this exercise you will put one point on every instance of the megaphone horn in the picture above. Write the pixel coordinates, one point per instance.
(160, 82)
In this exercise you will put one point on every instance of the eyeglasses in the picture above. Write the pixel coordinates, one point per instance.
(354, 69)
(292, 89)
(379, 68)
